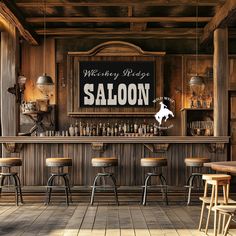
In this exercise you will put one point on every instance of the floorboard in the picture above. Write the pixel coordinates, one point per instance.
(101, 219)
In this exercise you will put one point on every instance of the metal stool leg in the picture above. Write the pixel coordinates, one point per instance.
(66, 190)
(145, 189)
(49, 189)
(19, 187)
(93, 189)
(16, 188)
(190, 186)
(68, 185)
(115, 189)
(163, 182)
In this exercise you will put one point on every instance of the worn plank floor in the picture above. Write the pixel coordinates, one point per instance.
(81, 219)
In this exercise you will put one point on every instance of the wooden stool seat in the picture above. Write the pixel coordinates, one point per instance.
(104, 161)
(196, 161)
(216, 177)
(153, 162)
(58, 162)
(10, 162)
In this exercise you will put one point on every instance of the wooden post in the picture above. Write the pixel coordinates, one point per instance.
(220, 68)
(9, 60)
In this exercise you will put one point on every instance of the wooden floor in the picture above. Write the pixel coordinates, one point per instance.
(128, 219)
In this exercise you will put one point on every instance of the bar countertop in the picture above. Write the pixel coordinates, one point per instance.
(114, 139)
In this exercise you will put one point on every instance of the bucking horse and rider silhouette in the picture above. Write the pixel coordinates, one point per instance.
(164, 112)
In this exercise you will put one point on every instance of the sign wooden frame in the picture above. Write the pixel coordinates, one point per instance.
(111, 51)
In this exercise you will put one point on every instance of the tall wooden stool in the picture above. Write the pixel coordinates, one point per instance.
(59, 163)
(195, 163)
(8, 163)
(214, 180)
(154, 163)
(104, 162)
(225, 210)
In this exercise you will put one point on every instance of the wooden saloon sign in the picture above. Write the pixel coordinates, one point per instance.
(114, 78)
(116, 83)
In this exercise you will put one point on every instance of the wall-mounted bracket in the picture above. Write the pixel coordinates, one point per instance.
(216, 147)
(13, 147)
(157, 147)
(101, 147)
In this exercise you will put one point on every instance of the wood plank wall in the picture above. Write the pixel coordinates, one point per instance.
(129, 172)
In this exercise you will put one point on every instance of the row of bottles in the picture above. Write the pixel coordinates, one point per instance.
(117, 129)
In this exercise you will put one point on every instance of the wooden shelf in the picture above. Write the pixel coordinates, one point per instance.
(118, 139)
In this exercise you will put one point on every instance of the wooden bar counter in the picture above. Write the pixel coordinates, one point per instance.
(128, 150)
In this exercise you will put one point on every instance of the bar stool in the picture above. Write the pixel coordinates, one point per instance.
(154, 163)
(225, 210)
(197, 163)
(8, 163)
(104, 162)
(214, 180)
(59, 163)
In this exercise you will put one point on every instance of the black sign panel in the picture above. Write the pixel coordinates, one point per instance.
(116, 84)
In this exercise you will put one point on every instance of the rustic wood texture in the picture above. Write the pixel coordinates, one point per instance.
(9, 68)
(110, 51)
(102, 219)
(221, 19)
(116, 139)
(128, 173)
(220, 77)
(32, 67)
(11, 12)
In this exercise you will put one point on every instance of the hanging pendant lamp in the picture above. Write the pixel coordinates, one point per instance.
(196, 82)
(44, 82)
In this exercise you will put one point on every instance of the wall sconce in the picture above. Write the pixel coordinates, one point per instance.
(18, 88)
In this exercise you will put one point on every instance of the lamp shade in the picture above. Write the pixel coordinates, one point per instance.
(45, 84)
(197, 85)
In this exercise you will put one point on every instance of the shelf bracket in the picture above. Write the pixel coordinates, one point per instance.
(216, 147)
(157, 147)
(101, 147)
(13, 147)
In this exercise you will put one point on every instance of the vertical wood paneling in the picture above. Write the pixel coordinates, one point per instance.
(220, 76)
(9, 67)
(128, 173)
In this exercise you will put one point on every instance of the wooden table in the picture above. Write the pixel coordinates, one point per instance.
(224, 166)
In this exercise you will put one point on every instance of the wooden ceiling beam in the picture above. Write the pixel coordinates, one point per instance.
(161, 32)
(10, 12)
(117, 19)
(95, 3)
(221, 19)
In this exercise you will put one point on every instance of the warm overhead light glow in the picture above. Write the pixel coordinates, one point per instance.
(197, 85)
(45, 84)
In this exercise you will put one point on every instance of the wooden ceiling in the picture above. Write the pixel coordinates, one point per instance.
(130, 18)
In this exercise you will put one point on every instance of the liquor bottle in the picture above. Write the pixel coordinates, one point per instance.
(125, 128)
(87, 128)
(151, 129)
(104, 132)
(148, 128)
(135, 128)
(71, 130)
(131, 128)
(140, 130)
(80, 129)
(116, 130)
(76, 128)
(108, 130)
(120, 130)
(112, 131)
(94, 130)
(100, 129)
(128, 127)
(155, 130)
